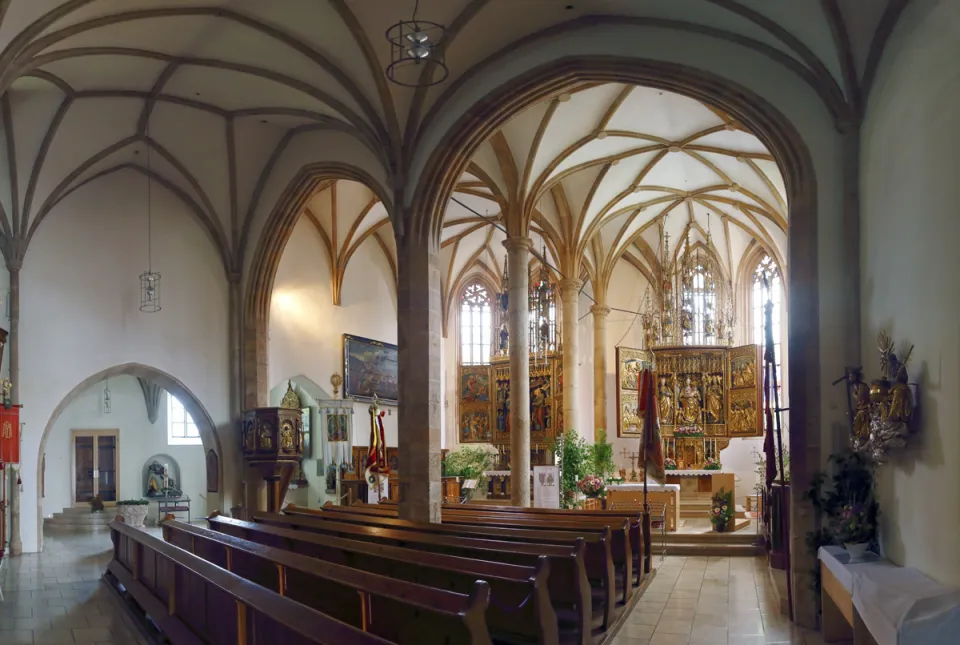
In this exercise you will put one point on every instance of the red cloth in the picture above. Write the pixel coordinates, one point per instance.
(10, 434)
(377, 454)
(651, 425)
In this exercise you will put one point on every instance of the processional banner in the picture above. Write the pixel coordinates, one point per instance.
(336, 435)
(10, 434)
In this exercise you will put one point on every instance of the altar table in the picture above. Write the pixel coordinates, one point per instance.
(632, 493)
(882, 603)
(701, 481)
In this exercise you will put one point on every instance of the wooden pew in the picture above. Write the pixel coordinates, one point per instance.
(603, 561)
(193, 601)
(519, 609)
(598, 555)
(396, 610)
(640, 541)
(569, 588)
(626, 547)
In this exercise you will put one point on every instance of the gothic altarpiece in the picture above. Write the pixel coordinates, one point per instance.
(484, 390)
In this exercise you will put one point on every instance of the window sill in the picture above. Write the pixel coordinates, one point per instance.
(178, 441)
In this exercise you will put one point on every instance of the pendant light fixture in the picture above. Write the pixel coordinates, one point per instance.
(149, 279)
(415, 45)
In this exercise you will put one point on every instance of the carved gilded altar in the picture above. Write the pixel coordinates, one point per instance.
(484, 401)
(702, 392)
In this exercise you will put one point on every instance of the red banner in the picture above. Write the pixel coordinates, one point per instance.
(10, 434)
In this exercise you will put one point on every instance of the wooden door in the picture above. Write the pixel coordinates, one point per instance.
(96, 465)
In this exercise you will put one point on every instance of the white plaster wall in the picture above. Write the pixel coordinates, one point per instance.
(910, 269)
(139, 440)
(79, 311)
(306, 329)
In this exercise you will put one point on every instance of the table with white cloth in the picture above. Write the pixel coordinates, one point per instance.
(632, 493)
(878, 602)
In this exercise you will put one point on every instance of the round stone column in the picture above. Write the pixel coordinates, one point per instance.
(600, 313)
(569, 297)
(518, 324)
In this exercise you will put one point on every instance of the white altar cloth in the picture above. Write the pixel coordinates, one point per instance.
(899, 605)
(695, 473)
(652, 487)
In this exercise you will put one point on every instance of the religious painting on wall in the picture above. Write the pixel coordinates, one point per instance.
(744, 402)
(558, 425)
(541, 403)
(370, 368)
(475, 384)
(393, 460)
(475, 426)
(630, 362)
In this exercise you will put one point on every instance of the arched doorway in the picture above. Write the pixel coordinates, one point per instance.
(205, 425)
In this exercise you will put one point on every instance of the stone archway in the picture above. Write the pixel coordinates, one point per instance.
(448, 159)
(205, 424)
(266, 259)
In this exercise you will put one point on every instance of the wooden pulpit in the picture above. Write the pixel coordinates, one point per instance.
(273, 444)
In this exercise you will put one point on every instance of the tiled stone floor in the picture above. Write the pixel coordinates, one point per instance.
(699, 600)
(56, 596)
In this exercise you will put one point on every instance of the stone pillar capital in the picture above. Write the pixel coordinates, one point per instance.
(601, 311)
(570, 284)
(518, 242)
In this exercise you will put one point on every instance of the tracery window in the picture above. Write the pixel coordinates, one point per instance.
(476, 324)
(759, 297)
(699, 310)
(181, 430)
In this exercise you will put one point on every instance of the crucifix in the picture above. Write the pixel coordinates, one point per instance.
(634, 458)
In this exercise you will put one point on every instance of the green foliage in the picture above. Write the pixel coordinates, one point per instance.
(96, 504)
(721, 507)
(133, 502)
(852, 485)
(468, 462)
(574, 458)
(601, 456)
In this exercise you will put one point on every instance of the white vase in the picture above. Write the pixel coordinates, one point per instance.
(856, 550)
(133, 514)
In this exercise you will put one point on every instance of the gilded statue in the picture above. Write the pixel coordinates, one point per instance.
(861, 417)
(249, 437)
(665, 403)
(690, 404)
(286, 436)
(266, 441)
(901, 398)
(714, 399)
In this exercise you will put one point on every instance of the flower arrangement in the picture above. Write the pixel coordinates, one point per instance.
(669, 463)
(712, 463)
(688, 431)
(721, 509)
(591, 486)
(96, 504)
(854, 525)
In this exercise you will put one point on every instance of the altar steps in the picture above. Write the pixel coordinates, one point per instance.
(742, 542)
(79, 518)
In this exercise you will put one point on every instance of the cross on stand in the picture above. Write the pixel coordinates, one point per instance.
(634, 458)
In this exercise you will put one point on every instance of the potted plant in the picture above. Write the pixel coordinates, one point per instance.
(601, 456)
(469, 462)
(669, 463)
(572, 456)
(855, 529)
(712, 463)
(134, 511)
(96, 504)
(721, 510)
(591, 486)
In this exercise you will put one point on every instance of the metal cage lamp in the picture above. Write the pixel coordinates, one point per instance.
(150, 292)
(415, 46)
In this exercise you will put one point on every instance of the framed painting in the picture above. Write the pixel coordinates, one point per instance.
(393, 460)
(370, 368)
(475, 384)
(475, 424)
(336, 427)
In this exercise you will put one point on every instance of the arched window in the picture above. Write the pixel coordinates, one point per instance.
(181, 430)
(772, 291)
(699, 310)
(476, 324)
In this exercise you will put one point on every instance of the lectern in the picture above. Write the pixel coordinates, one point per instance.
(273, 444)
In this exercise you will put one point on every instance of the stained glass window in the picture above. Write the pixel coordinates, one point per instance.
(699, 311)
(476, 325)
